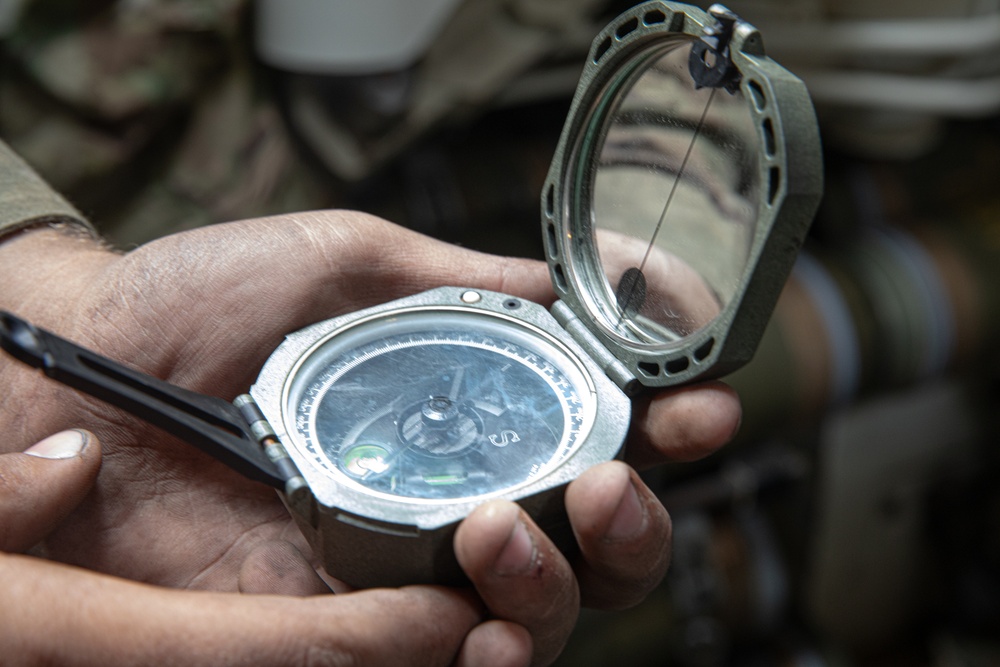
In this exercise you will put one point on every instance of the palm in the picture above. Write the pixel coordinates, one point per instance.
(201, 310)
(164, 512)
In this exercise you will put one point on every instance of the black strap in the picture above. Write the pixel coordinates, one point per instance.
(211, 424)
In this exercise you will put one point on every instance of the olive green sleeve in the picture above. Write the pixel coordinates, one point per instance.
(27, 200)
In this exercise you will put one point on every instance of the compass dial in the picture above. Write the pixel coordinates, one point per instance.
(439, 404)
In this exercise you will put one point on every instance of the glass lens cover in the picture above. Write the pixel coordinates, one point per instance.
(440, 405)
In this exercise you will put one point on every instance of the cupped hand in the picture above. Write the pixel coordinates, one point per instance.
(204, 309)
(56, 614)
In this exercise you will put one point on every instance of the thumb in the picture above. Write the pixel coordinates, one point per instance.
(42, 485)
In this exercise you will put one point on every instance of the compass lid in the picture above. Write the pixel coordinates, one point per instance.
(685, 180)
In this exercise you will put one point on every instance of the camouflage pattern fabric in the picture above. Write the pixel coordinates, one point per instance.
(26, 200)
(154, 116)
(150, 116)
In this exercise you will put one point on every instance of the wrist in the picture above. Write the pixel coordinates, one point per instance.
(46, 269)
(46, 274)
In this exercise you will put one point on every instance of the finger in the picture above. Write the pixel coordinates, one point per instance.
(416, 625)
(519, 574)
(496, 644)
(277, 567)
(384, 260)
(683, 424)
(55, 614)
(623, 533)
(41, 485)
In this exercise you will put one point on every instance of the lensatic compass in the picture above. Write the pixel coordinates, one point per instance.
(684, 182)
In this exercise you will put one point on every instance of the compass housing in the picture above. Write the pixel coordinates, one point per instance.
(683, 185)
(385, 534)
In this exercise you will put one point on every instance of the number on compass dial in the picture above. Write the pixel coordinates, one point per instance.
(444, 413)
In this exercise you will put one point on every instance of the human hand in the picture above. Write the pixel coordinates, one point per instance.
(203, 310)
(56, 614)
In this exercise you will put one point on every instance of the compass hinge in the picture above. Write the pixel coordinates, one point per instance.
(260, 428)
(613, 368)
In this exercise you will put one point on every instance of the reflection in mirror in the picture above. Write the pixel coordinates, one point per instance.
(674, 201)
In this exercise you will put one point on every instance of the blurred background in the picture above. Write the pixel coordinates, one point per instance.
(856, 519)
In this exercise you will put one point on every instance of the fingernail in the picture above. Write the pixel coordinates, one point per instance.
(629, 518)
(518, 555)
(64, 445)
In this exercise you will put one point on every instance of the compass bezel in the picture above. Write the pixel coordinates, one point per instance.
(602, 441)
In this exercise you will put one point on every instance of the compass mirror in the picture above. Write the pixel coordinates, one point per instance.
(673, 197)
(682, 187)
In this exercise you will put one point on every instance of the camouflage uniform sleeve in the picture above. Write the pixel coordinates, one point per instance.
(26, 200)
